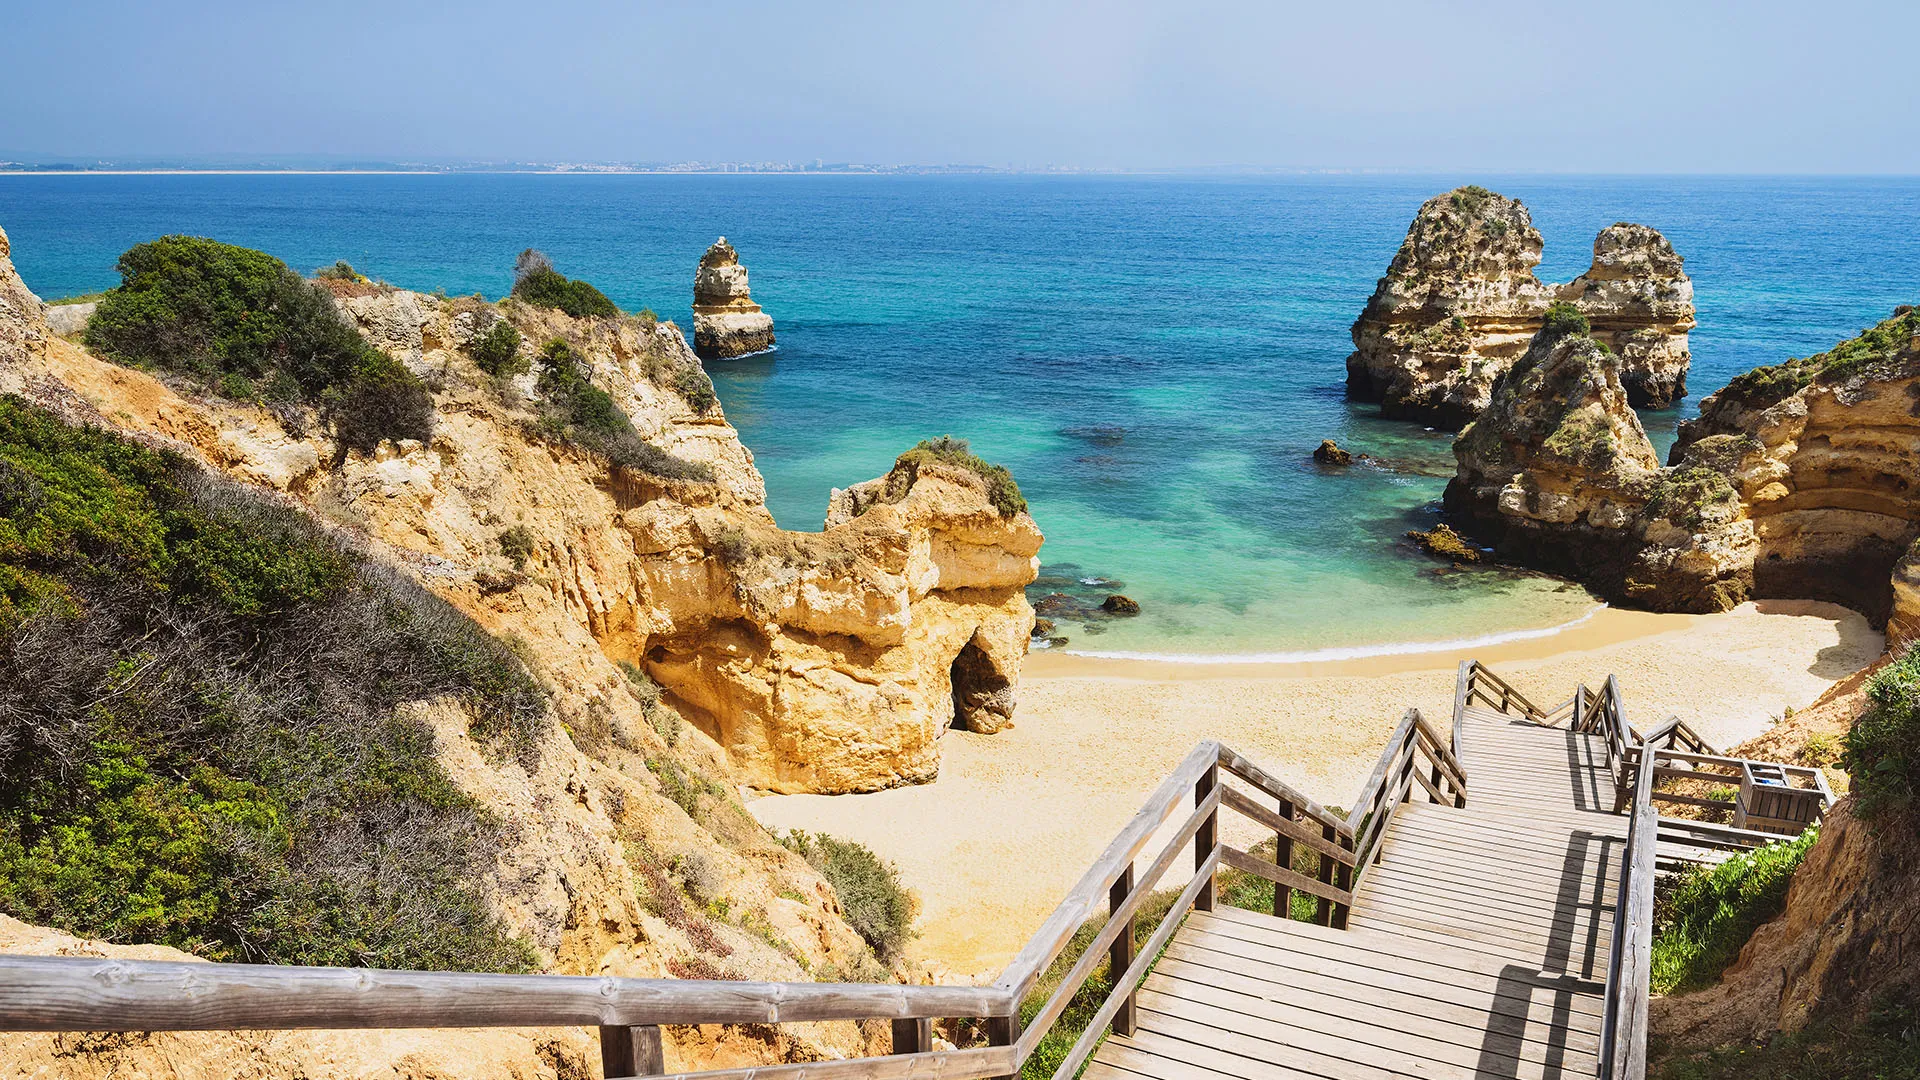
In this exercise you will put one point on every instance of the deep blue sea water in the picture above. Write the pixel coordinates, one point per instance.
(1153, 357)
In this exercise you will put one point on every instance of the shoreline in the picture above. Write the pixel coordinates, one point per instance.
(1014, 818)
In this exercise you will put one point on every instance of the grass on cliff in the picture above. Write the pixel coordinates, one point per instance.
(1706, 917)
(872, 899)
(1885, 1047)
(574, 410)
(200, 740)
(538, 283)
(1002, 491)
(245, 326)
(1564, 318)
(1881, 343)
(1882, 749)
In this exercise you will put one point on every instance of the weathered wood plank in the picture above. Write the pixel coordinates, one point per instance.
(1261, 868)
(978, 1063)
(67, 993)
(1312, 837)
(1271, 785)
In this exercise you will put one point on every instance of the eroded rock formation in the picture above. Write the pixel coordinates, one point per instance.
(726, 321)
(1796, 481)
(1825, 453)
(1460, 302)
(1558, 474)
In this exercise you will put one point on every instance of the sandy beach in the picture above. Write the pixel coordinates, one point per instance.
(1014, 818)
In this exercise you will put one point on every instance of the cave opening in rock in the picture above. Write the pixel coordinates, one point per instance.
(982, 693)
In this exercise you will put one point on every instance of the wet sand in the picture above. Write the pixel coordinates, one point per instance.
(1014, 818)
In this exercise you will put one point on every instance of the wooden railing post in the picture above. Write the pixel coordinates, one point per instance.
(1342, 877)
(1283, 858)
(1120, 953)
(913, 1035)
(1323, 912)
(1207, 837)
(632, 1051)
(1004, 1031)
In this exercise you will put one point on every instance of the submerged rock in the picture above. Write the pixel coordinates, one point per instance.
(1460, 303)
(1442, 541)
(1330, 453)
(726, 321)
(1120, 605)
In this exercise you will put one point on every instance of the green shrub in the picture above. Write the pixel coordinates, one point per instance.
(1706, 917)
(497, 352)
(1693, 497)
(538, 283)
(682, 786)
(1564, 318)
(576, 411)
(872, 900)
(517, 544)
(341, 270)
(1002, 491)
(233, 317)
(1882, 749)
(200, 736)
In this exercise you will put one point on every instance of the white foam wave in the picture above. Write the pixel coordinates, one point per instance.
(1344, 652)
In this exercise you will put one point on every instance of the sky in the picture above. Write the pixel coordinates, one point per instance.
(1627, 86)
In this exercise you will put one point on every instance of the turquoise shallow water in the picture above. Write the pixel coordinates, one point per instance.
(1154, 358)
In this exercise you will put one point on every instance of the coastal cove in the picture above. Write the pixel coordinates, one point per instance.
(1153, 357)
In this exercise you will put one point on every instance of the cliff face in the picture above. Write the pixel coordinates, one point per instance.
(805, 662)
(1460, 302)
(1559, 474)
(726, 321)
(1824, 452)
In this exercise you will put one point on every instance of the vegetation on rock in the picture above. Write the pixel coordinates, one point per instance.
(537, 282)
(872, 899)
(1002, 491)
(201, 739)
(1884, 342)
(1707, 915)
(1694, 496)
(1885, 1047)
(497, 352)
(244, 325)
(1563, 318)
(1882, 751)
(1443, 542)
(574, 410)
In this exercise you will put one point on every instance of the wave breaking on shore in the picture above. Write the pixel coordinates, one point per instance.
(1343, 652)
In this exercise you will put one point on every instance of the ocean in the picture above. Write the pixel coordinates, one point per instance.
(1153, 357)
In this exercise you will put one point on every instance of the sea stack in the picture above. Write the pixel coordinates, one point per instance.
(726, 321)
(1460, 303)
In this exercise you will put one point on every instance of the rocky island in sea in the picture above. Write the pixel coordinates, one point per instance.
(726, 321)
(1460, 303)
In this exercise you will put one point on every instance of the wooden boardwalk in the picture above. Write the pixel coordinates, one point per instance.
(1476, 947)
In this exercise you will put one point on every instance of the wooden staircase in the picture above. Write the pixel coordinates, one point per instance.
(1476, 946)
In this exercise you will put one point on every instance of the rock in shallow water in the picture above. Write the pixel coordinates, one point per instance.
(1330, 453)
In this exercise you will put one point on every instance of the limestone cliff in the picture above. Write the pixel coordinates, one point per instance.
(1559, 474)
(637, 597)
(1824, 451)
(726, 321)
(1460, 302)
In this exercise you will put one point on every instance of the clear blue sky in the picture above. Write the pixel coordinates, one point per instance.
(1623, 86)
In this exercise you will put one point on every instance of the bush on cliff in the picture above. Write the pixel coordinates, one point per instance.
(241, 322)
(1562, 319)
(1002, 491)
(1701, 925)
(200, 740)
(497, 352)
(1882, 752)
(574, 410)
(872, 900)
(1877, 345)
(537, 282)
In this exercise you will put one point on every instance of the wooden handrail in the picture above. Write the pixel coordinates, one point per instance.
(65, 993)
(1082, 900)
(1623, 1040)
